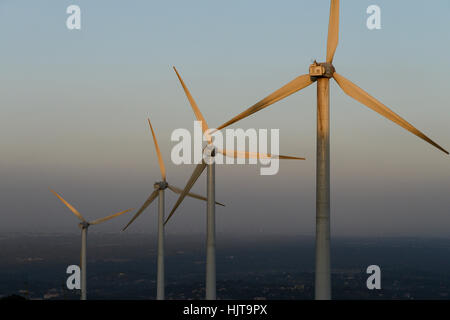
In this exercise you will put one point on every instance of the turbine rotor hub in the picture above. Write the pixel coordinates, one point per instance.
(83, 225)
(321, 70)
(161, 185)
(209, 153)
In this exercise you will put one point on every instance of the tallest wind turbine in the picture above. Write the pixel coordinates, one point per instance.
(322, 72)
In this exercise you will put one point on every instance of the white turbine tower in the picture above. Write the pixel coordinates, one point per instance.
(211, 182)
(160, 186)
(84, 225)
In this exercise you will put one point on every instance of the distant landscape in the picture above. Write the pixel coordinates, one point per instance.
(123, 266)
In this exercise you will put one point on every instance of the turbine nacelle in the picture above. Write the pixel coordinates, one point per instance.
(84, 225)
(321, 70)
(210, 150)
(161, 185)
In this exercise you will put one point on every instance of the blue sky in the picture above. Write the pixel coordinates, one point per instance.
(74, 107)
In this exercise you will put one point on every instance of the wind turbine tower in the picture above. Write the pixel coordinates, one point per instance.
(322, 73)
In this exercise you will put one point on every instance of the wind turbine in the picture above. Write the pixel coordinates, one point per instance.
(211, 181)
(160, 186)
(322, 73)
(84, 225)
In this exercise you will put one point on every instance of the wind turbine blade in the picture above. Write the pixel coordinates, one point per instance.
(109, 217)
(363, 97)
(285, 91)
(252, 155)
(144, 206)
(192, 195)
(197, 172)
(158, 152)
(333, 30)
(68, 205)
(194, 106)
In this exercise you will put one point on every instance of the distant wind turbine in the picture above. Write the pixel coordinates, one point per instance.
(322, 72)
(210, 216)
(84, 225)
(160, 186)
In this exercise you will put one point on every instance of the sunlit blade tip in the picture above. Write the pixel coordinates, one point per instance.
(193, 104)
(68, 205)
(290, 158)
(176, 71)
(364, 98)
(333, 30)
(162, 168)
